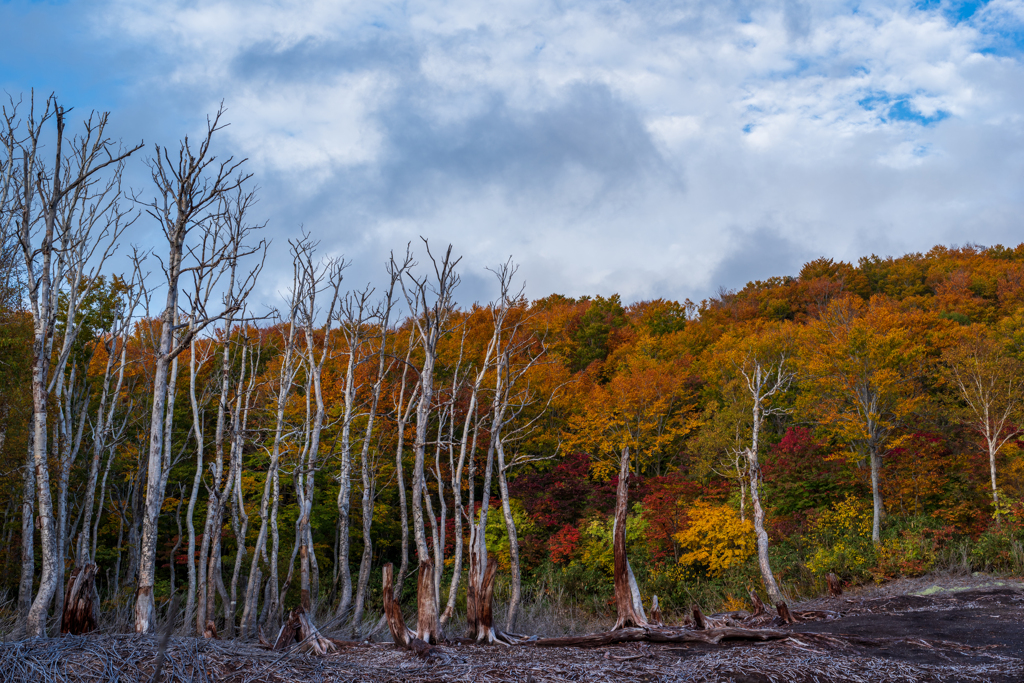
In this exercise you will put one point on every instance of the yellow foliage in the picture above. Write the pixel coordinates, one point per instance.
(734, 604)
(716, 538)
(842, 538)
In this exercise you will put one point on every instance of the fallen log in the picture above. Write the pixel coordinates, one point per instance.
(712, 636)
(80, 606)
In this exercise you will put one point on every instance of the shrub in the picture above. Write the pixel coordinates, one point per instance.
(715, 539)
(841, 538)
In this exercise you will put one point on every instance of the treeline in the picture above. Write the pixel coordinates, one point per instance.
(160, 426)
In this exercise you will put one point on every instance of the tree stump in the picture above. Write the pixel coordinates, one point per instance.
(759, 608)
(656, 617)
(81, 610)
(400, 633)
(699, 621)
(427, 628)
(785, 614)
(300, 628)
(835, 587)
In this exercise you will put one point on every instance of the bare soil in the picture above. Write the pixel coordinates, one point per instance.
(952, 629)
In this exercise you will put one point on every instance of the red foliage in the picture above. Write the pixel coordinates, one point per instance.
(563, 494)
(798, 474)
(665, 508)
(562, 545)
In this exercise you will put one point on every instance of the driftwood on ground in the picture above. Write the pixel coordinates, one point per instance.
(662, 635)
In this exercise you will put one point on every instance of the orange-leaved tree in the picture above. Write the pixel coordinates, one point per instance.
(646, 407)
(861, 364)
(991, 384)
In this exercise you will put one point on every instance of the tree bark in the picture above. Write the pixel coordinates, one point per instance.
(81, 610)
(629, 612)
(28, 528)
(400, 633)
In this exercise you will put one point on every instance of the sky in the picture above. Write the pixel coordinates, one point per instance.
(645, 148)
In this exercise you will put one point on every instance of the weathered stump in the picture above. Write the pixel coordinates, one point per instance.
(427, 627)
(699, 620)
(759, 608)
(81, 608)
(835, 587)
(656, 617)
(400, 633)
(785, 614)
(299, 628)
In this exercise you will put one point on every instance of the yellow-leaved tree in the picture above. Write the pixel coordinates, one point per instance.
(861, 366)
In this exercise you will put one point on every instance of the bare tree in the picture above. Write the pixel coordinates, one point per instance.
(317, 278)
(271, 487)
(353, 316)
(430, 300)
(767, 376)
(366, 468)
(66, 233)
(991, 383)
(469, 434)
(191, 194)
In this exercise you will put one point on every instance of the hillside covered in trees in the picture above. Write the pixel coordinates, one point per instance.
(162, 428)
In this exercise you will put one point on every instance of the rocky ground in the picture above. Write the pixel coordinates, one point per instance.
(952, 629)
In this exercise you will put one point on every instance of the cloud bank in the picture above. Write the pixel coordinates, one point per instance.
(647, 148)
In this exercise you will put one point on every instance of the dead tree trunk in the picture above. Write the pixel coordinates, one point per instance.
(431, 305)
(81, 606)
(630, 613)
(400, 633)
(188, 198)
(759, 607)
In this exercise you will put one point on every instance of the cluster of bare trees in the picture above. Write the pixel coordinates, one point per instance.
(324, 394)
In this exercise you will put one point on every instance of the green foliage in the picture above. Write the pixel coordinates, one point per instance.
(496, 533)
(595, 546)
(594, 329)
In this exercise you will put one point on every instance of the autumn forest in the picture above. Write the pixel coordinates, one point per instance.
(194, 451)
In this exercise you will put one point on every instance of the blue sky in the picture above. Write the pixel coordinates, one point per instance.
(648, 148)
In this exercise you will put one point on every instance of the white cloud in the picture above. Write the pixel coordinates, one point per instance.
(830, 127)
